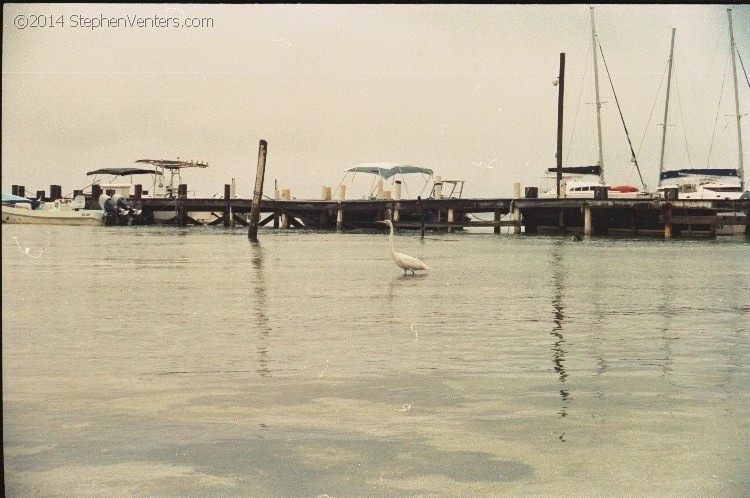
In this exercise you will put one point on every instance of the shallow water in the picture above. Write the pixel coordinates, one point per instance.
(158, 361)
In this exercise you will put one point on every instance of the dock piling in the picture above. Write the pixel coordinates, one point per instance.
(252, 232)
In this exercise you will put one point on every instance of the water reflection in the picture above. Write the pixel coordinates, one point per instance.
(558, 319)
(666, 311)
(261, 319)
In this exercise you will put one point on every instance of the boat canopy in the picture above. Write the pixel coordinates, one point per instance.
(17, 199)
(388, 172)
(172, 164)
(680, 173)
(579, 170)
(124, 171)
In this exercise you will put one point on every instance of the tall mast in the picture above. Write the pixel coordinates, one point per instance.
(740, 166)
(666, 109)
(598, 103)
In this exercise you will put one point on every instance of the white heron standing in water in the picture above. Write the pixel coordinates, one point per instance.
(403, 261)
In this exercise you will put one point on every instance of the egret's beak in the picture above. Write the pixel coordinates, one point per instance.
(383, 222)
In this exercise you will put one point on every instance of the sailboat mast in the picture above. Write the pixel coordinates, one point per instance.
(598, 102)
(666, 108)
(740, 166)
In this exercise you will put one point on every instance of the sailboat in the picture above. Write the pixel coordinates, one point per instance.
(704, 183)
(584, 181)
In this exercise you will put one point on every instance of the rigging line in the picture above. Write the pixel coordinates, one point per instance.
(682, 115)
(743, 66)
(650, 114)
(622, 118)
(718, 108)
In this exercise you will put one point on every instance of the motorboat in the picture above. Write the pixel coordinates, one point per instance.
(156, 184)
(20, 210)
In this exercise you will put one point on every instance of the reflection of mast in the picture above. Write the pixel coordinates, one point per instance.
(558, 353)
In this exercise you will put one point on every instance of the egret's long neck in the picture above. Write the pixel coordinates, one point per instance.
(390, 241)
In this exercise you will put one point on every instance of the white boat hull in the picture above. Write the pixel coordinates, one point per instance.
(25, 216)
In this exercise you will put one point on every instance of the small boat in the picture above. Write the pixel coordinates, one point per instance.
(155, 186)
(20, 210)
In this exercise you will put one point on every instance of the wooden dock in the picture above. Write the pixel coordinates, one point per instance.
(527, 214)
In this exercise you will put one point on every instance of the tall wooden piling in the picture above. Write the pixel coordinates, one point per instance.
(252, 233)
(181, 211)
(421, 217)
(516, 209)
(228, 204)
(55, 192)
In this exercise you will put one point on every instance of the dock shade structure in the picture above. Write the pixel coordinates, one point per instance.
(386, 171)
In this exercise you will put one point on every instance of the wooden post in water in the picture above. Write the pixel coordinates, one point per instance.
(558, 154)
(397, 198)
(252, 232)
(421, 217)
(560, 96)
(516, 209)
(55, 192)
(14, 189)
(227, 204)
(286, 195)
(667, 210)
(586, 219)
(232, 195)
(137, 192)
(21, 191)
(181, 211)
(41, 194)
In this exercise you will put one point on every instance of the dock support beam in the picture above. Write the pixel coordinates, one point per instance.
(252, 232)
(516, 209)
(340, 210)
(586, 219)
(667, 221)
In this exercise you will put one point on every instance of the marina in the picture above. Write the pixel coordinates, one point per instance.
(527, 214)
(375, 250)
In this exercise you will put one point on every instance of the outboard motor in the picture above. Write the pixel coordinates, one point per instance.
(109, 208)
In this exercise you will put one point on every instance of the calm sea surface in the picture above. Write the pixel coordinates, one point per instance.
(147, 361)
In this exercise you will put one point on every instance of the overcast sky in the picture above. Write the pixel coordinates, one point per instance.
(465, 90)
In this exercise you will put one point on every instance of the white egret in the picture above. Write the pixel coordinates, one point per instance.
(403, 261)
